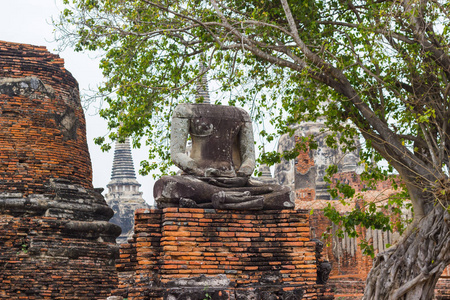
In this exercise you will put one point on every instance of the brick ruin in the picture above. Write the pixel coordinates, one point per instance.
(350, 266)
(194, 253)
(177, 253)
(55, 238)
(56, 241)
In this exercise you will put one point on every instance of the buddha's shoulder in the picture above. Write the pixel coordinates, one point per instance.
(183, 110)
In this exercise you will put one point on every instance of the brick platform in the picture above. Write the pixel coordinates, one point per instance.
(229, 255)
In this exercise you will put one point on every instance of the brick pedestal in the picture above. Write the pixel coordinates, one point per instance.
(177, 252)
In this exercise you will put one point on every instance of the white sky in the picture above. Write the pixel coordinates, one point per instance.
(29, 22)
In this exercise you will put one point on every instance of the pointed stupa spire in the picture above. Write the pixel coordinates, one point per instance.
(266, 175)
(265, 171)
(202, 85)
(123, 167)
(123, 176)
(123, 194)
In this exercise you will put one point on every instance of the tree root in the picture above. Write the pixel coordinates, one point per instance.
(411, 269)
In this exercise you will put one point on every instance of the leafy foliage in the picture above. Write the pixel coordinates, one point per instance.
(383, 214)
(381, 65)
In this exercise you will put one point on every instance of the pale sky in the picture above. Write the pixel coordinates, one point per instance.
(29, 22)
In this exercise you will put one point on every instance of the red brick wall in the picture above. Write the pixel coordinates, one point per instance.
(442, 291)
(353, 179)
(181, 242)
(41, 259)
(306, 194)
(350, 271)
(42, 131)
(55, 238)
(304, 161)
(138, 266)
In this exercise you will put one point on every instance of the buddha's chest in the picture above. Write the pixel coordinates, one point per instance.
(214, 128)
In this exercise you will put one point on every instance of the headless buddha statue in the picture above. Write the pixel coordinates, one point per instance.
(216, 173)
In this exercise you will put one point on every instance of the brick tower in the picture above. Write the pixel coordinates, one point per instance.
(123, 194)
(55, 238)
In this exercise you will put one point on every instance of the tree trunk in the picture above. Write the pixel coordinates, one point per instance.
(411, 269)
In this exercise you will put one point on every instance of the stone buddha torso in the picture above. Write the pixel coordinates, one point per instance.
(217, 171)
(222, 140)
(215, 140)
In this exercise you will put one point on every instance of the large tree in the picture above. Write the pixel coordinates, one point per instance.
(383, 65)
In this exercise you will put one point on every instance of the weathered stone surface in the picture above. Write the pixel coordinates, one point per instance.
(222, 140)
(219, 164)
(196, 294)
(55, 238)
(169, 190)
(219, 281)
(323, 266)
(305, 174)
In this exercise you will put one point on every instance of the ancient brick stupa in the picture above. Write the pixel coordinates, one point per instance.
(123, 194)
(55, 238)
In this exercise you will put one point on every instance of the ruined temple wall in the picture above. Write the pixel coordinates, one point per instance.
(253, 252)
(349, 266)
(55, 238)
(305, 176)
(344, 254)
(442, 291)
(41, 258)
(42, 124)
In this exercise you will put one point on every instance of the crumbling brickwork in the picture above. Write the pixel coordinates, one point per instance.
(349, 266)
(442, 291)
(239, 253)
(42, 258)
(42, 125)
(354, 180)
(55, 238)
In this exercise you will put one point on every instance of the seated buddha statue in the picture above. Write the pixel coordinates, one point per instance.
(216, 173)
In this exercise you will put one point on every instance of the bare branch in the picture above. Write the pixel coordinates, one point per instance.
(418, 24)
